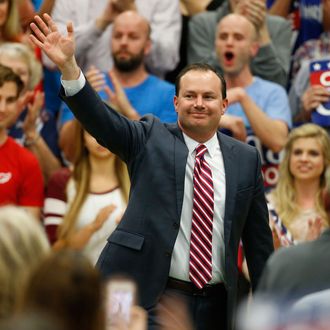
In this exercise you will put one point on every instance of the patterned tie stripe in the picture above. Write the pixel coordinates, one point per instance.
(200, 265)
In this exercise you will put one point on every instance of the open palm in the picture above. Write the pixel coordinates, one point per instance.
(60, 49)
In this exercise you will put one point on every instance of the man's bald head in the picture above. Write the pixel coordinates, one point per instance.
(131, 17)
(240, 22)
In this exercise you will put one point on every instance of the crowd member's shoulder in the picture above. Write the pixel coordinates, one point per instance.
(270, 85)
(58, 180)
(278, 21)
(158, 82)
(20, 153)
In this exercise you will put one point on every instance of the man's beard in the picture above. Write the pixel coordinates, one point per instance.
(129, 64)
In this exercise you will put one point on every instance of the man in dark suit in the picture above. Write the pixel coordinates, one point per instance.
(152, 241)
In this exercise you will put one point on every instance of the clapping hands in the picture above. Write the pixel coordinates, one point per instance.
(116, 98)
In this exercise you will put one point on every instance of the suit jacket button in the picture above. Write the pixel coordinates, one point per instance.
(167, 254)
(175, 225)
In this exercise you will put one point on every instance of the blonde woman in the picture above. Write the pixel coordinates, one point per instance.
(296, 209)
(83, 206)
(23, 243)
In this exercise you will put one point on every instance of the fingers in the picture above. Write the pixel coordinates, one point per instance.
(103, 215)
(51, 24)
(116, 84)
(138, 319)
(110, 208)
(69, 29)
(314, 96)
(34, 107)
(38, 38)
(42, 26)
(38, 102)
(107, 210)
(314, 228)
(256, 15)
(25, 99)
(240, 134)
(41, 29)
(111, 95)
(254, 11)
(96, 78)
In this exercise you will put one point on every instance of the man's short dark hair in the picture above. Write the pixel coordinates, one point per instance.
(200, 67)
(8, 75)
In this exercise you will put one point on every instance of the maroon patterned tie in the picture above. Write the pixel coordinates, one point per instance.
(200, 264)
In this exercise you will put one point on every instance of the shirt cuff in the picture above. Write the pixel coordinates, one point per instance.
(72, 87)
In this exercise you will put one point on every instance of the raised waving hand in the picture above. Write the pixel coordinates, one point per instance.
(59, 48)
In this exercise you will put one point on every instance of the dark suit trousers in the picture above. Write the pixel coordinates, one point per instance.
(183, 310)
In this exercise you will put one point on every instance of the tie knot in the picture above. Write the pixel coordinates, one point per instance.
(200, 150)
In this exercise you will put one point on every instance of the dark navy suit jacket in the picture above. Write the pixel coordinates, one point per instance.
(156, 156)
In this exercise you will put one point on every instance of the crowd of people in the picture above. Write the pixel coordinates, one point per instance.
(180, 143)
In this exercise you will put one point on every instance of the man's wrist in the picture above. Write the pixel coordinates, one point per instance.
(264, 36)
(31, 140)
(71, 70)
(101, 23)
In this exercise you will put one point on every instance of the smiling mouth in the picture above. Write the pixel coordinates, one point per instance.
(304, 169)
(198, 114)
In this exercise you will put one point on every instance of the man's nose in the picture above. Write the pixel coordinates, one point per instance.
(199, 101)
(229, 40)
(123, 40)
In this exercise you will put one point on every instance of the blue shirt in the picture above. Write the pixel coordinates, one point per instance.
(270, 97)
(153, 96)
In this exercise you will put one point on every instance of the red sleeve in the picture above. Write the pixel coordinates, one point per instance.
(55, 203)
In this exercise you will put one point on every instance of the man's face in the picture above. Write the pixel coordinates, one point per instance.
(199, 104)
(235, 44)
(8, 104)
(129, 43)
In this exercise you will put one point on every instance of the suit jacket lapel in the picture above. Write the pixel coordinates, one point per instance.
(231, 168)
(180, 161)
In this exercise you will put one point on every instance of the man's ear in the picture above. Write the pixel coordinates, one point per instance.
(224, 106)
(255, 48)
(147, 47)
(175, 101)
